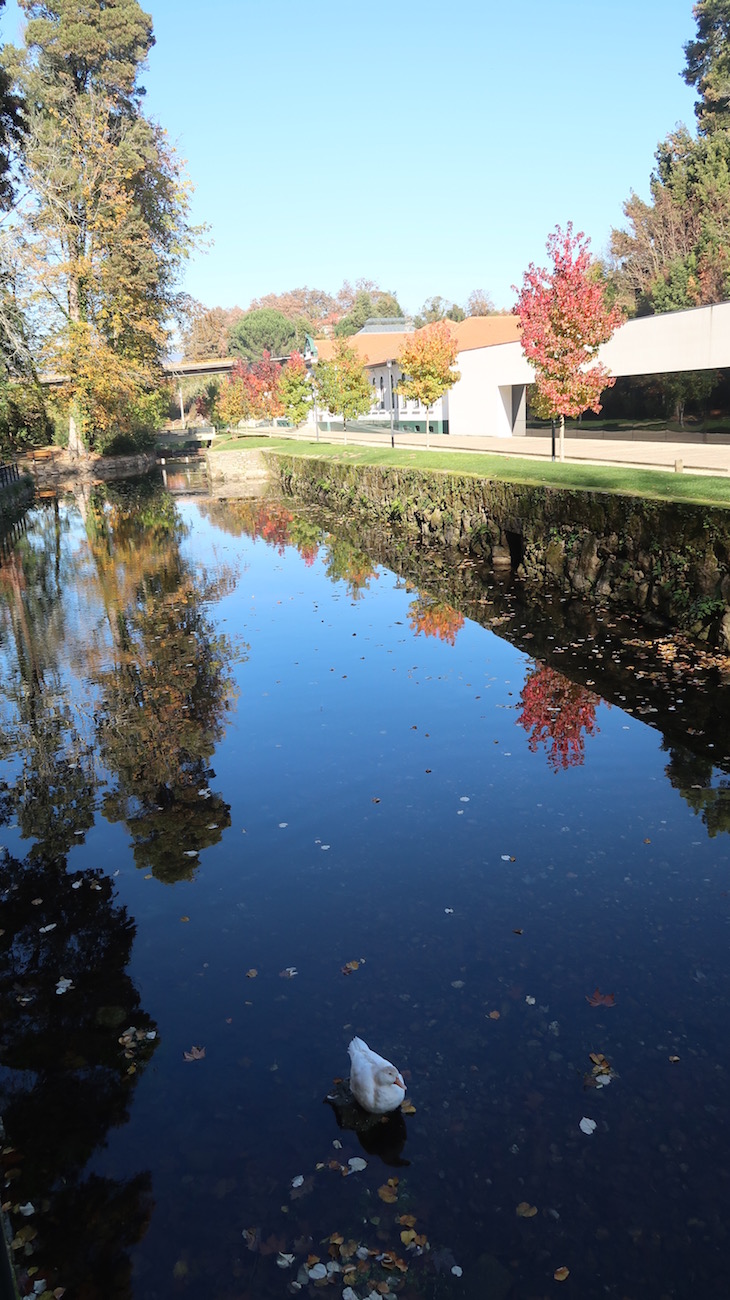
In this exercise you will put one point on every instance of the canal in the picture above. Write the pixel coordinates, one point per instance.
(264, 787)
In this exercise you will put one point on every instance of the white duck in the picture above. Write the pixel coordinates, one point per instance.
(375, 1082)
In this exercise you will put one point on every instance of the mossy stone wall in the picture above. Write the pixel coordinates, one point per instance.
(670, 562)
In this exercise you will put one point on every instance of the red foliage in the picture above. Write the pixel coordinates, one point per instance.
(599, 999)
(558, 714)
(273, 524)
(564, 321)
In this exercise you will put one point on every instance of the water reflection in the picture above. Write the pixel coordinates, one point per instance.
(557, 714)
(334, 756)
(65, 999)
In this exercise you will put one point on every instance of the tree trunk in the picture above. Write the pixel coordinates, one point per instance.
(562, 437)
(75, 441)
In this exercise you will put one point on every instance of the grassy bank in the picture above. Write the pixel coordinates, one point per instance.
(658, 485)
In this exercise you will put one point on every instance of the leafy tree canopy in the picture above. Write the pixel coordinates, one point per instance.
(368, 303)
(342, 385)
(104, 228)
(260, 331)
(427, 361)
(708, 64)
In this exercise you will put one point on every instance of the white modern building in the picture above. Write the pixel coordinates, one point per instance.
(488, 400)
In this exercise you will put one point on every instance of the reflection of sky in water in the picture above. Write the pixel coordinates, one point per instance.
(386, 806)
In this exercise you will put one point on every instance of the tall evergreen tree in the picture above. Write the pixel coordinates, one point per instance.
(105, 227)
(675, 251)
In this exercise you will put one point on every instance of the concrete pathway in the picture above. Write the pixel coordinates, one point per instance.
(692, 452)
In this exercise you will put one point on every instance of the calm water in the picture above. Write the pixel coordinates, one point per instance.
(260, 793)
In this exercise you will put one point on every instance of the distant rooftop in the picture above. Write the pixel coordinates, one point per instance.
(387, 325)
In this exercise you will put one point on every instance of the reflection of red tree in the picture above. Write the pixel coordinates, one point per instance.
(435, 618)
(558, 714)
(273, 524)
(309, 552)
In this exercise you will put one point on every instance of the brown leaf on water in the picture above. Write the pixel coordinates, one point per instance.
(350, 966)
(252, 973)
(560, 1274)
(525, 1210)
(494, 1015)
(389, 1191)
(184, 918)
(195, 1054)
(407, 1220)
(598, 999)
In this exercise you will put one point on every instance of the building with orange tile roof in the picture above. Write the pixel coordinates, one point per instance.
(465, 403)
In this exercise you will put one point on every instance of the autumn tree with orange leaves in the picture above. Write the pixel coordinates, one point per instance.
(427, 361)
(564, 320)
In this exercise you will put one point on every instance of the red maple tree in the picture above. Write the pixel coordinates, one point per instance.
(565, 320)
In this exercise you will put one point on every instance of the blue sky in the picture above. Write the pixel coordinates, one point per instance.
(426, 146)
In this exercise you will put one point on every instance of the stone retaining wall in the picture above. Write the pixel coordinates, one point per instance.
(669, 562)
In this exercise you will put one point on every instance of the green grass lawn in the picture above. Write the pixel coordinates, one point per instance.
(659, 485)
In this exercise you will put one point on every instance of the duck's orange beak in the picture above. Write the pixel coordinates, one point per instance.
(400, 1081)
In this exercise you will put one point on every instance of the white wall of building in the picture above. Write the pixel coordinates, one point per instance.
(480, 404)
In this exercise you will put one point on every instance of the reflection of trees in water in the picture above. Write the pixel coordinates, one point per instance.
(558, 714)
(693, 777)
(164, 684)
(434, 617)
(275, 524)
(52, 791)
(65, 1079)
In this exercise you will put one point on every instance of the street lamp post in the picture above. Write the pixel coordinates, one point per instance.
(390, 386)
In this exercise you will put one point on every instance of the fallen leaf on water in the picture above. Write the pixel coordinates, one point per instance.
(494, 1015)
(252, 973)
(407, 1236)
(525, 1210)
(560, 1274)
(389, 1191)
(195, 1054)
(184, 918)
(517, 932)
(673, 1060)
(288, 973)
(350, 966)
(407, 1108)
(598, 999)
(587, 1126)
(408, 1220)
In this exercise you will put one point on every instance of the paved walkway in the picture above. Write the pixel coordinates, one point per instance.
(695, 453)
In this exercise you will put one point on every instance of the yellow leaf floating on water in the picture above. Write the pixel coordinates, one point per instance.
(407, 1108)
(407, 1236)
(389, 1191)
(525, 1210)
(560, 1274)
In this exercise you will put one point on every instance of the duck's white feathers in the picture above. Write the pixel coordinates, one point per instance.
(375, 1083)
